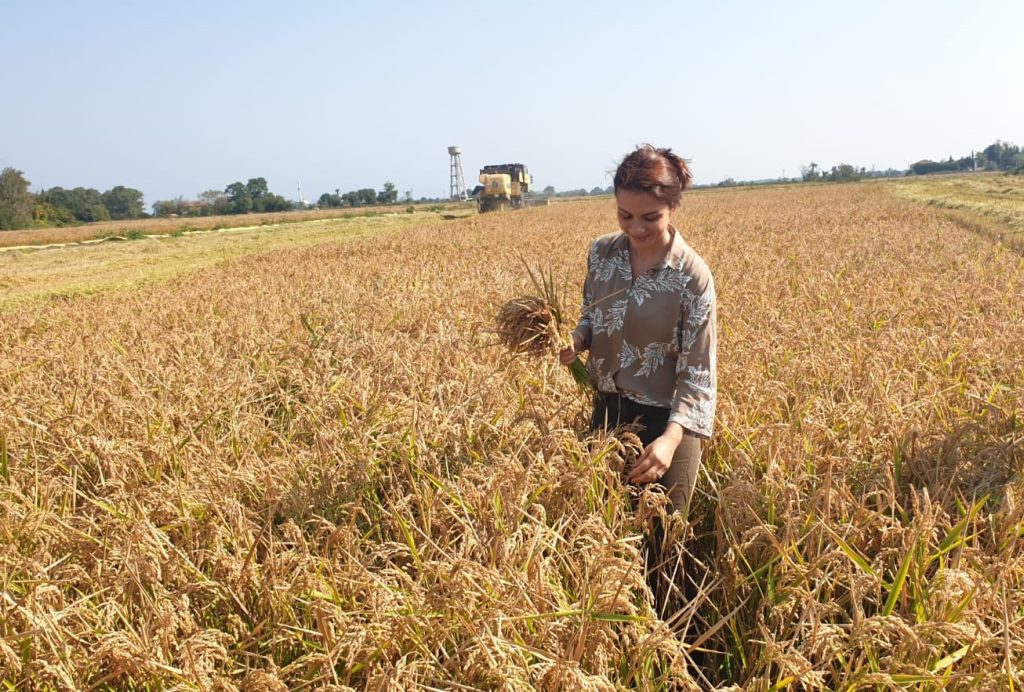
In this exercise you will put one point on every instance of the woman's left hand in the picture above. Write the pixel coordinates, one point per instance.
(657, 456)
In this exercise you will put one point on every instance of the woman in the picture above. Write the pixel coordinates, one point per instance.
(648, 320)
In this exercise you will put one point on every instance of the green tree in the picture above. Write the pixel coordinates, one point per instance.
(1000, 155)
(257, 188)
(169, 207)
(330, 201)
(239, 198)
(844, 173)
(124, 203)
(810, 172)
(271, 202)
(389, 195)
(46, 215)
(366, 196)
(214, 202)
(86, 204)
(16, 202)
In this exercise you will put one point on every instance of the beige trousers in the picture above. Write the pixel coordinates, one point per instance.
(681, 476)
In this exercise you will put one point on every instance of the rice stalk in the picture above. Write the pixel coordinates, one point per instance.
(533, 324)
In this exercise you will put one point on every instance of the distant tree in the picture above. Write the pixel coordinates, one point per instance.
(86, 204)
(171, 207)
(844, 173)
(388, 195)
(366, 196)
(811, 172)
(350, 199)
(965, 163)
(257, 188)
(597, 191)
(272, 202)
(993, 154)
(259, 192)
(46, 215)
(213, 202)
(407, 197)
(549, 190)
(16, 202)
(124, 203)
(926, 166)
(329, 201)
(239, 198)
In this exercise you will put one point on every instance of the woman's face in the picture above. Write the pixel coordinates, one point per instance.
(644, 218)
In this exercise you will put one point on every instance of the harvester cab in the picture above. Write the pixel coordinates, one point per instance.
(503, 186)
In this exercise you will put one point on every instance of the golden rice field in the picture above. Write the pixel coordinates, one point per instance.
(311, 468)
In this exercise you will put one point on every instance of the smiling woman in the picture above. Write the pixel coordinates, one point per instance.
(649, 322)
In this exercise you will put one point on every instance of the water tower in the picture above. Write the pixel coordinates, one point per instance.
(458, 180)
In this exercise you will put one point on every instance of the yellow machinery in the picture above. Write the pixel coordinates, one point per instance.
(503, 186)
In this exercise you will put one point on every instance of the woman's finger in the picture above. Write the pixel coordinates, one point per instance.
(639, 472)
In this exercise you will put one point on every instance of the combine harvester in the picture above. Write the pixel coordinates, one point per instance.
(505, 186)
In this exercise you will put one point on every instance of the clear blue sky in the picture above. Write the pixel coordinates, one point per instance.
(179, 97)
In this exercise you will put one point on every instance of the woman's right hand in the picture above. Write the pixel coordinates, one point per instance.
(568, 354)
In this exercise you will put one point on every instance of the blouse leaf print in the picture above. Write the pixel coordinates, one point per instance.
(616, 316)
(699, 313)
(652, 358)
(630, 354)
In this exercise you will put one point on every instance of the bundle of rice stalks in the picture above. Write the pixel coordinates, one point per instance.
(533, 324)
(528, 325)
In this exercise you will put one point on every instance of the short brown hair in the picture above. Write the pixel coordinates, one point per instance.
(655, 170)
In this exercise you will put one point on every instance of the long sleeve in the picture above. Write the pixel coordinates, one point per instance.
(584, 328)
(694, 399)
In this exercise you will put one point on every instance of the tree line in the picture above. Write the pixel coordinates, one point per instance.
(253, 196)
(363, 197)
(998, 156)
(58, 206)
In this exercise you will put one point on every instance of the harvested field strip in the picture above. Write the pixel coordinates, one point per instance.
(177, 225)
(988, 203)
(312, 467)
(34, 274)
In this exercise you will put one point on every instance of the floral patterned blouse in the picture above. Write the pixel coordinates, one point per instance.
(652, 339)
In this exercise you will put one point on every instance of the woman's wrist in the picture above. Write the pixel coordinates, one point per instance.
(674, 431)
